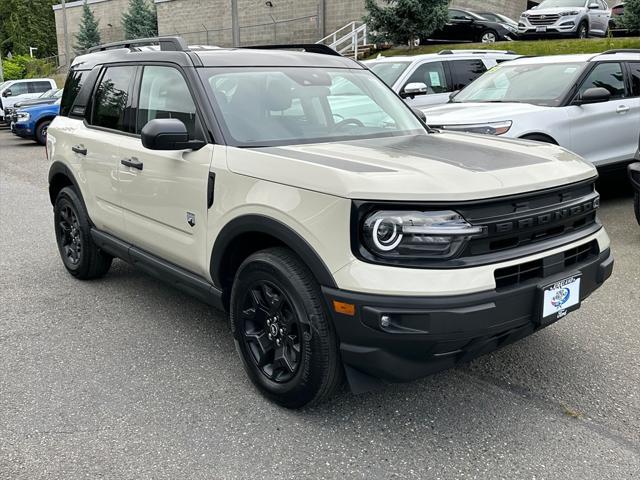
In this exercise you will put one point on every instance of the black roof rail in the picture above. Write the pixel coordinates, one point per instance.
(307, 47)
(476, 52)
(167, 44)
(621, 50)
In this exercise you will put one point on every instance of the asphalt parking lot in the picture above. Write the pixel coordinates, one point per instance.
(126, 378)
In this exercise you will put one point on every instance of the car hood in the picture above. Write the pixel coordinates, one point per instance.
(469, 113)
(554, 10)
(434, 167)
(37, 101)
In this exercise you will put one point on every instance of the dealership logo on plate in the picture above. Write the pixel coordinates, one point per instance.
(561, 297)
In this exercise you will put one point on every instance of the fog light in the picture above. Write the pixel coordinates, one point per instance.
(385, 321)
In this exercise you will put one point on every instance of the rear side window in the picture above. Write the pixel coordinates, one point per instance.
(164, 94)
(110, 99)
(72, 87)
(39, 87)
(432, 75)
(463, 72)
(635, 79)
(606, 75)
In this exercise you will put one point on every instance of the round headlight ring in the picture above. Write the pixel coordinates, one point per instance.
(389, 242)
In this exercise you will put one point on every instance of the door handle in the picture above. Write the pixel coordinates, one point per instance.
(622, 109)
(132, 162)
(81, 149)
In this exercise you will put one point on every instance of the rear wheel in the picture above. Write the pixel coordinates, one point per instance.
(282, 333)
(41, 132)
(80, 256)
(636, 205)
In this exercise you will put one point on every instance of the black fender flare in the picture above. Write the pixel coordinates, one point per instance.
(59, 168)
(269, 226)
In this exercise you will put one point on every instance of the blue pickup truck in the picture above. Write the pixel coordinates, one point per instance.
(32, 122)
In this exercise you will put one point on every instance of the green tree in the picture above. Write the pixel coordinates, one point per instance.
(28, 23)
(140, 20)
(631, 17)
(88, 36)
(403, 21)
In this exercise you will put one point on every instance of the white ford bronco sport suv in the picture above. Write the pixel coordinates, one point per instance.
(298, 192)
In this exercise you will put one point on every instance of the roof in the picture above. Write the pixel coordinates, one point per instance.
(446, 54)
(578, 58)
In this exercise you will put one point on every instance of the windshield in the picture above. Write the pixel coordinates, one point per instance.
(539, 84)
(562, 3)
(389, 72)
(49, 93)
(286, 106)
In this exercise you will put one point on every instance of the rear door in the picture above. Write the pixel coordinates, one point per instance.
(606, 132)
(165, 199)
(463, 72)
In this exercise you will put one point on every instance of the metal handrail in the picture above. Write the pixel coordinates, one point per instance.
(350, 41)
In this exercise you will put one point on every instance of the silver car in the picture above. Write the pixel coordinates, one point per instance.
(575, 18)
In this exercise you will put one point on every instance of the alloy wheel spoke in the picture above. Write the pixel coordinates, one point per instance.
(264, 346)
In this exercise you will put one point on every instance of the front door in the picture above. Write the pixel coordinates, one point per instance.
(165, 201)
(606, 132)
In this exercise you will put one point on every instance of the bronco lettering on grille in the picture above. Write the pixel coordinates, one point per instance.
(547, 217)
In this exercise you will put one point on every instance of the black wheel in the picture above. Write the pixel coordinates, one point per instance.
(282, 333)
(537, 137)
(636, 205)
(41, 132)
(81, 257)
(583, 30)
(489, 36)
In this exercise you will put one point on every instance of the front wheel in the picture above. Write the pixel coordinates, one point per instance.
(282, 333)
(41, 132)
(489, 36)
(583, 30)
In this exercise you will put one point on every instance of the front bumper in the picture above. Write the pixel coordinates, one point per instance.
(428, 334)
(23, 130)
(568, 26)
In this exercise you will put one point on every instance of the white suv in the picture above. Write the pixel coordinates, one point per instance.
(589, 104)
(297, 192)
(13, 91)
(424, 80)
(578, 18)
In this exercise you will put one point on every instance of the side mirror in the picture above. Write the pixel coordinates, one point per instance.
(593, 95)
(7, 93)
(420, 114)
(168, 134)
(413, 89)
(452, 95)
(593, 6)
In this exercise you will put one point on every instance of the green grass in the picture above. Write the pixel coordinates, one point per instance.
(536, 47)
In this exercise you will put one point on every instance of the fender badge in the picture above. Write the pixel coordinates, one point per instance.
(191, 219)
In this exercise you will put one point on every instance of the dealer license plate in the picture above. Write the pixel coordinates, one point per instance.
(541, 29)
(560, 298)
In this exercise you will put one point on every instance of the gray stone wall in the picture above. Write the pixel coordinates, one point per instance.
(107, 12)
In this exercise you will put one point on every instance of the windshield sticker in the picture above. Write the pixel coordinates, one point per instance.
(435, 79)
(570, 70)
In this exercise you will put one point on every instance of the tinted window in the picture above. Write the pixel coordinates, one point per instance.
(72, 87)
(635, 79)
(164, 94)
(38, 87)
(110, 101)
(606, 75)
(389, 72)
(432, 75)
(463, 72)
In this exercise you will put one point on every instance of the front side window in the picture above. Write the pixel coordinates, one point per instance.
(164, 94)
(608, 76)
(432, 75)
(538, 84)
(19, 89)
(292, 105)
(110, 101)
(463, 72)
(389, 72)
(38, 87)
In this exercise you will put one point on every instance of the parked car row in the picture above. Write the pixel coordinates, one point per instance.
(13, 91)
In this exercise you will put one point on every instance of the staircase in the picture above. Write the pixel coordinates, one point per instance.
(350, 41)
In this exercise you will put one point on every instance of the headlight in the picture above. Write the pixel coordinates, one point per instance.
(567, 14)
(417, 235)
(23, 116)
(525, 15)
(511, 28)
(494, 128)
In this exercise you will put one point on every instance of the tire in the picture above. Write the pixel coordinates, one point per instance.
(636, 205)
(41, 132)
(80, 255)
(489, 36)
(583, 30)
(537, 137)
(282, 333)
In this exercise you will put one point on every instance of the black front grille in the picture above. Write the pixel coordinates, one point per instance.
(537, 269)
